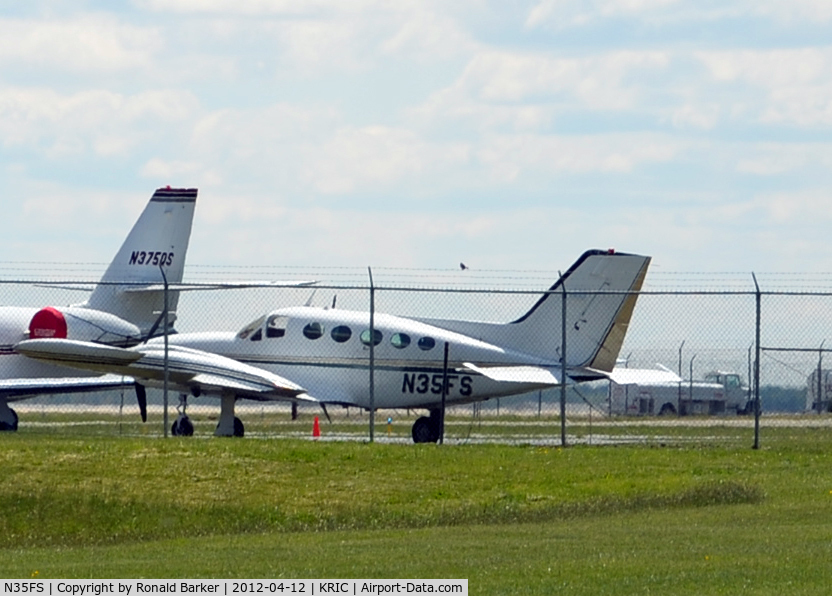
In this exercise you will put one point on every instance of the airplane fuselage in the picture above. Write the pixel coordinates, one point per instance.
(328, 353)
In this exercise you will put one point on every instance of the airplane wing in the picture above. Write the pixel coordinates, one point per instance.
(19, 389)
(516, 374)
(189, 370)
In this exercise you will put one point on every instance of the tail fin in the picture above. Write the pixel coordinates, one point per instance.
(601, 292)
(159, 239)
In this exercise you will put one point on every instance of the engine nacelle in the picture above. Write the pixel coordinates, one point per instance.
(83, 324)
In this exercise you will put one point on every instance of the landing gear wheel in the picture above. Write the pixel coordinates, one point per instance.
(239, 429)
(182, 427)
(424, 431)
(667, 409)
(9, 426)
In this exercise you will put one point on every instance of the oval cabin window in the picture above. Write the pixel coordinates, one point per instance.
(400, 340)
(427, 343)
(341, 333)
(313, 330)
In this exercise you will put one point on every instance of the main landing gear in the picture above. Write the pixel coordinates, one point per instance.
(228, 426)
(426, 429)
(8, 417)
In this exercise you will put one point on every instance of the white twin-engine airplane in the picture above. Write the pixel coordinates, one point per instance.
(325, 353)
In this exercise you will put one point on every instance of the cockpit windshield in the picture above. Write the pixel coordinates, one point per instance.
(276, 327)
(255, 325)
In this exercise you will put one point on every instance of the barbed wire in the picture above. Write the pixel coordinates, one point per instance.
(427, 277)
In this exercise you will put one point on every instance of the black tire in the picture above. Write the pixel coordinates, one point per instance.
(5, 426)
(667, 409)
(239, 428)
(423, 431)
(182, 427)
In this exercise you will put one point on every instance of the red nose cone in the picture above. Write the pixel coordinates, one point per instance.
(47, 322)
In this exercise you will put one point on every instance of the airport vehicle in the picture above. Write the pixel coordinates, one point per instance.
(819, 391)
(123, 308)
(649, 392)
(375, 361)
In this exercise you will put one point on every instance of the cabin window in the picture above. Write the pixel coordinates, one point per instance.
(427, 343)
(276, 326)
(400, 340)
(313, 330)
(365, 337)
(255, 325)
(341, 333)
(257, 335)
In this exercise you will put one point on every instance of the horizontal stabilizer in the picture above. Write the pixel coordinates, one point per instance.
(644, 376)
(225, 285)
(516, 374)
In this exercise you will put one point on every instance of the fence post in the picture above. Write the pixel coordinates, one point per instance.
(167, 368)
(444, 395)
(372, 357)
(563, 363)
(757, 367)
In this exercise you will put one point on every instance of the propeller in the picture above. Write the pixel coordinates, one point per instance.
(141, 397)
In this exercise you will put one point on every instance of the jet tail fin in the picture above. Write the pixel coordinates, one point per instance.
(158, 240)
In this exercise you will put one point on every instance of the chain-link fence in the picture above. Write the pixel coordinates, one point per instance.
(739, 368)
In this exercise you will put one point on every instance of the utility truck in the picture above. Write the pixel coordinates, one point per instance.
(646, 395)
(819, 391)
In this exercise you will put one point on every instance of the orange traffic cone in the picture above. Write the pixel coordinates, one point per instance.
(316, 428)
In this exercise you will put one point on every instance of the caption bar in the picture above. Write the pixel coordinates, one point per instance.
(227, 587)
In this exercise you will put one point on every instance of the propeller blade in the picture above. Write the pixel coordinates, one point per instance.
(141, 397)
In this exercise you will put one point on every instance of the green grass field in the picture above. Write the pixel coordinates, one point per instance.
(511, 519)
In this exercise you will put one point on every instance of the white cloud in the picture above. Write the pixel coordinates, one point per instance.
(377, 156)
(527, 91)
(597, 81)
(772, 159)
(797, 207)
(791, 11)
(180, 173)
(255, 7)
(97, 121)
(796, 84)
(688, 116)
(507, 156)
(566, 13)
(427, 33)
(88, 43)
(563, 14)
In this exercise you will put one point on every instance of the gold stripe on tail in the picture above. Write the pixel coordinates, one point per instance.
(607, 353)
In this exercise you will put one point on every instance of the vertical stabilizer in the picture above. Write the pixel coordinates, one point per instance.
(158, 240)
(601, 291)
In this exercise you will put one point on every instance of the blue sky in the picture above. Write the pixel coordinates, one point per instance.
(422, 134)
